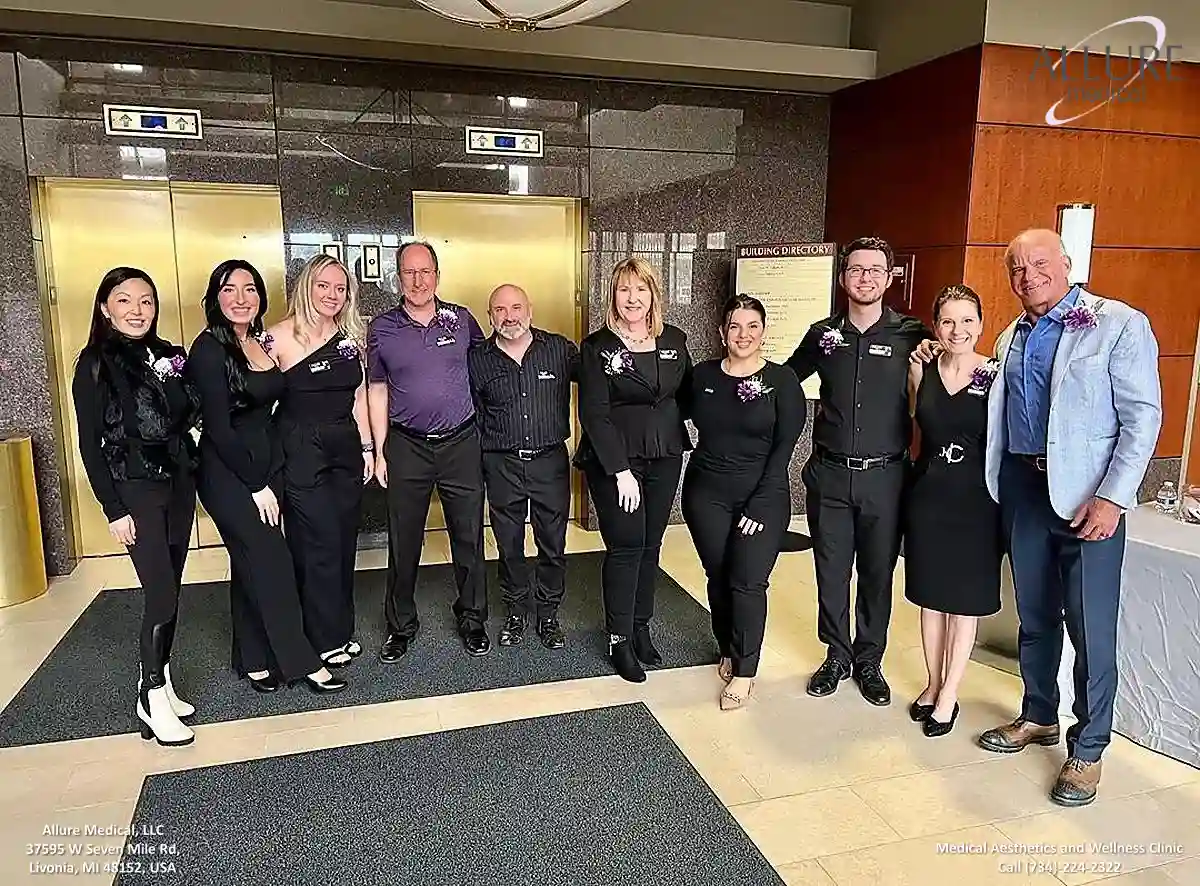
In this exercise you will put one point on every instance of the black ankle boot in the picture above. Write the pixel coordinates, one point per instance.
(624, 660)
(643, 646)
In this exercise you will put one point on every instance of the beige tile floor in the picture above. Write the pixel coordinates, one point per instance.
(833, 791)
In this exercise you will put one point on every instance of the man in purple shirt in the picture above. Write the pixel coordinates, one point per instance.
(423, 424)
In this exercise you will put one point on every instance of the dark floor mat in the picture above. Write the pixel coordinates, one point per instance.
(591, 797)
(86, 687)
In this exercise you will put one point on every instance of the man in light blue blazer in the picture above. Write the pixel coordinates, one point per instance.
(1074, 417)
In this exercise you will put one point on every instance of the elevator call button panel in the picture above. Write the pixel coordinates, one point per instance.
(155, 122)
(504, 142)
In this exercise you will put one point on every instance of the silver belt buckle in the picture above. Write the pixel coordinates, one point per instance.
(857, 464)
(526, 454)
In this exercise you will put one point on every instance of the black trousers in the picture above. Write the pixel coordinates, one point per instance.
(738, 566)
(268, 629)
(321, 524)
(163, 512)
(855, 520)
(540, 487)
(633, 541)
(415, 467)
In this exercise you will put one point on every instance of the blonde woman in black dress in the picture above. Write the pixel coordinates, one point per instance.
(952, 547)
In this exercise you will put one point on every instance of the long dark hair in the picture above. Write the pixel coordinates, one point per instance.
(220, 327)
(102, 331)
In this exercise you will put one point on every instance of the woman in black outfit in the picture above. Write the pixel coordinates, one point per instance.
(631, 451)
(240, 482)
(135, 411)
(952, 545)
(328, 454)
(736, 494)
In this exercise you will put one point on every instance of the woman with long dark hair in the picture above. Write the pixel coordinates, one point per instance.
(240, 482)
(328, 452)
(135, 410)
(736, 495)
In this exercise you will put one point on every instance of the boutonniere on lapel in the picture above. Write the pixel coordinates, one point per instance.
(618, 361)
(1082, 317)
(168, 367)
(831, 340)
(347, 349)
(751, 389)
(982, 377)
(447, 318)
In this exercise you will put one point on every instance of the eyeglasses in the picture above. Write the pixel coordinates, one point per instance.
(421, 272)
(857, 271)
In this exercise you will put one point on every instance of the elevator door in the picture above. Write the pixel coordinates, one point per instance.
(177, 233)
(483, 241)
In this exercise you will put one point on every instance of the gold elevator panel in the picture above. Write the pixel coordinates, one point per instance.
(175, 232)
(483, 241)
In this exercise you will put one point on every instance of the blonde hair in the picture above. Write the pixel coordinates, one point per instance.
(303, 313)
(642, 270)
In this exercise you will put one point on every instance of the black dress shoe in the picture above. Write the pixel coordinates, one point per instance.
(933, 728)
(826, 678)
(330, 686)
(919, 712)
(475, 640)
(643, 647)
(394, 648)
(269, 683)
(624, 660)
(551, 633)
(872, 685)
(513, 631)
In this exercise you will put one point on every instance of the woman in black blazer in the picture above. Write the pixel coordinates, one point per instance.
(631, 452)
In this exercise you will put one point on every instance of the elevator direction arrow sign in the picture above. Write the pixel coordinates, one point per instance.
(152, 122)
(504, 142)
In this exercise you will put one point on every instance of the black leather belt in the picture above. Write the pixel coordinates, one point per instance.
(1037, 462)
(436, 436)
(858, 464)
(527, 454)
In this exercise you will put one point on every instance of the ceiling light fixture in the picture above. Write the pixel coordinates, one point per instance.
(520, 15)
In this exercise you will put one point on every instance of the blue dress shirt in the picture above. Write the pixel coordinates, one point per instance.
(1027, 372)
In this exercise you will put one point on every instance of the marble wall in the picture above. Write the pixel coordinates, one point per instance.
(677, 175)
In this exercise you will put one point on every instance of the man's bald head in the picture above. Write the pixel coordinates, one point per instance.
(509, 311)
(1038, 269)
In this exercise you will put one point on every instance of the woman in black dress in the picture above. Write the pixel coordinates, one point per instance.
(135, 411)
(328, 454)
(240, 482)
(631, 451)
(736, 493)
(952, 546)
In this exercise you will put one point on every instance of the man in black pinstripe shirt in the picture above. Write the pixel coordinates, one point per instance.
(521, 381)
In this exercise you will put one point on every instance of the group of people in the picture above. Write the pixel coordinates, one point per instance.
(1035, 453)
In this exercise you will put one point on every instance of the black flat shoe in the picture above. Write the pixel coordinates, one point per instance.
(919, 712)
(476, 641)
(643, 647)
(394, 648)
(871, 684)
(826, 678)
(551, 633)
(330, 686)
(269, 683)
(932, 728)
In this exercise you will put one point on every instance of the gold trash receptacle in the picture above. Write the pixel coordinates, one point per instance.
(22, 559)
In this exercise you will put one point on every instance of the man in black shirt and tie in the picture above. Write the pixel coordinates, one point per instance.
(855, 477)
(521, 381)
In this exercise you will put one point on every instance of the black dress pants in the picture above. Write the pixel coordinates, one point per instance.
(633, 541)
(268, 629)
(540, 487)
(324, 495)
(163, 512)
(738, 566)
(415, 467)
(855, 520)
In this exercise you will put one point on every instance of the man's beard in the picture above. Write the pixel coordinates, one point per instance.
(512, 333)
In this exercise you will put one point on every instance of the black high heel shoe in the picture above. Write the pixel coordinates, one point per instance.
(330, 686)
(269, 683)
(919, 712)
(643, 647)
(932, 728)
(624, 660)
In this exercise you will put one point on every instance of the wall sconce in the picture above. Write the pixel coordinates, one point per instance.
(1076, 225)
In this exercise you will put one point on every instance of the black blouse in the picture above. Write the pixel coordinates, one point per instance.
(632, 405)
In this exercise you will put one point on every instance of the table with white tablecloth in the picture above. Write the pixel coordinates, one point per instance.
(1158, 638)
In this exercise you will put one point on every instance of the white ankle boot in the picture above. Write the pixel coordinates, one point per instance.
(161, 722)
(181, 707)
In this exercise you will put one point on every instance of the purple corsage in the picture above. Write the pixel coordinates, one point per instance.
(617, 362)
(168, 367)
(1081, 317)
(347, 349)
(831, 340)
(751, 389)
(265, 340)
(982, 377)
(447, 318)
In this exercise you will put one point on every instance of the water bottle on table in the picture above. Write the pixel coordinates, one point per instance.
(1167, 500)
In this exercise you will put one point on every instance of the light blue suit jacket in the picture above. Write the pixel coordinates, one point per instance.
(1105, 409)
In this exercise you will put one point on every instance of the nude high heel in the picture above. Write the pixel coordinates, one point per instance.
(725, 669)
(731, 701)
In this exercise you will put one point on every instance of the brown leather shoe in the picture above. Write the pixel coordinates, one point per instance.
(1017, 736)
(1077, 783)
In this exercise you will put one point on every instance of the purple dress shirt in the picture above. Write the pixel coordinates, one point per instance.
(425, 367)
